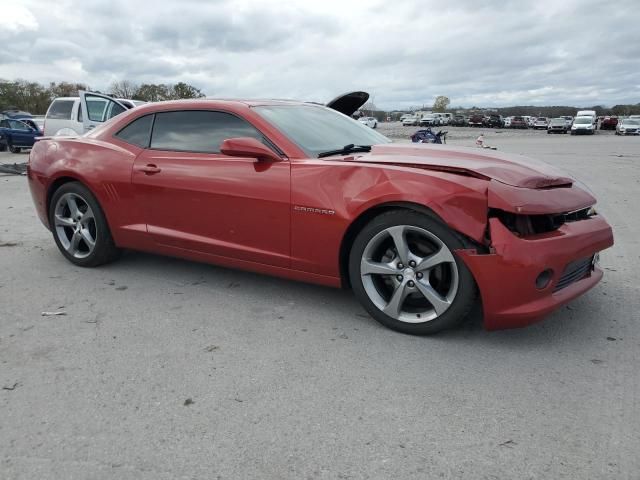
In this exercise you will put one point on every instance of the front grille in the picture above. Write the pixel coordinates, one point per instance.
(573, 272)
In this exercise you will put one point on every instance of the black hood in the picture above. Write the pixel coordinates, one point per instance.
(349, 103)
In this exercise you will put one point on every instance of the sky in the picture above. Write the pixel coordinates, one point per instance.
(404, 53)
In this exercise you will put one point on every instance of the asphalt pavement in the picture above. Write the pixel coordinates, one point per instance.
(162, 368)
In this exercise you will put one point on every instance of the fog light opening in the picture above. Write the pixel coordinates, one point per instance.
(544, 279)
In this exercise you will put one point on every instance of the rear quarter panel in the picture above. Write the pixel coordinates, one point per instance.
(104, 168)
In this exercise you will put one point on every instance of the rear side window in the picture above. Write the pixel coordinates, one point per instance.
(16, 125)
(137, 132)
(198, 131)
(60, 110)
(115, 110)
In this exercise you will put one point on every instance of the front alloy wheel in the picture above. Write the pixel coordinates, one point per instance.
(407, 275)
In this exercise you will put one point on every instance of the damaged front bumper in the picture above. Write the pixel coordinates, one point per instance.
(523, 279)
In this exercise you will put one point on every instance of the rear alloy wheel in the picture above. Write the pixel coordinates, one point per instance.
(80, 228)
(404, 272)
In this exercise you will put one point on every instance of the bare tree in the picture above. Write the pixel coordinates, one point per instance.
(123, 89)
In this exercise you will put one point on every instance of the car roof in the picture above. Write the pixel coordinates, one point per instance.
(220, 102)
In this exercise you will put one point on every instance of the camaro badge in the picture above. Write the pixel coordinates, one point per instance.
(321, 211)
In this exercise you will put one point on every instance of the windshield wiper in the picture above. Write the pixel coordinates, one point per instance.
(346, 149)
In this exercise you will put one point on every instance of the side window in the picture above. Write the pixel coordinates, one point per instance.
(4, 124)
(115, 109)
(198, 131)
(100, 109)
(16, 125)
(60, 110)
(137, 132)
(95, 108)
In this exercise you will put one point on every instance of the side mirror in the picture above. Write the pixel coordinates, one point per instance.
(248, 147)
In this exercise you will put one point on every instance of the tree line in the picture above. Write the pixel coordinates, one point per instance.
(35, 97)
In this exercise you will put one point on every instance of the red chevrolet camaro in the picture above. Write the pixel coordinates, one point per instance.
(419, 232)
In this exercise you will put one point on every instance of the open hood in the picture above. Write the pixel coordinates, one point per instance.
(514, 170)
(349, 103)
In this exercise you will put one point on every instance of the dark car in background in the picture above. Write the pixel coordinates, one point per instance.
(477, 120)
(557, 125)
(459, 121)
(495, 121)
(609, 123)
(17, 134)
(519, 122)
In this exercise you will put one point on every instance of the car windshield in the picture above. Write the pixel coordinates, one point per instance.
(317, 129)
(583, 120)
(558, 121)
(542, 119)
(631, 122)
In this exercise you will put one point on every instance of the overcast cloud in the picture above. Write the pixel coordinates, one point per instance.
(491, 53)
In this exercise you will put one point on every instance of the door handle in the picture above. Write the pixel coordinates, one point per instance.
(150, 169)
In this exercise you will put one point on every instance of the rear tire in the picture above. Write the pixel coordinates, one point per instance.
(80, 227)
(404, 272)
(13, 149)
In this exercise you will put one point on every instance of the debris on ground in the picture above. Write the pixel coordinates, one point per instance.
(11, 387)
(508, 444)
(9, 244)
(612, 339)
(53, 314)
(212, 348)
(123, 287)
(13, 169)
(188, 402)
(480, 143)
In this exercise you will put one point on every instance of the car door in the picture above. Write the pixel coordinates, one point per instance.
(21, 133)
(96, 109)
(197, 199)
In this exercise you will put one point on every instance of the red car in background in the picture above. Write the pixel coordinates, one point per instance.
(519, 122)
(609, 123)
(420, 232)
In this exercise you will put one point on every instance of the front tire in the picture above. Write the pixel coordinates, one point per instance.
(404, 272)
(80, 228)
(13, 149)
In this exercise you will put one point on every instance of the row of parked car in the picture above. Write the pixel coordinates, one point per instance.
(585, 122)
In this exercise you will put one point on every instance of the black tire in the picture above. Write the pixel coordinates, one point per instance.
(465, 297)
(13, 149)
(105, 250)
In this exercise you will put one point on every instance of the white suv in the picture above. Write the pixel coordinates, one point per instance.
(77, 115)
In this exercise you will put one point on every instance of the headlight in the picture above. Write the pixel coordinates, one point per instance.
(589, 126)
(591, 212)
